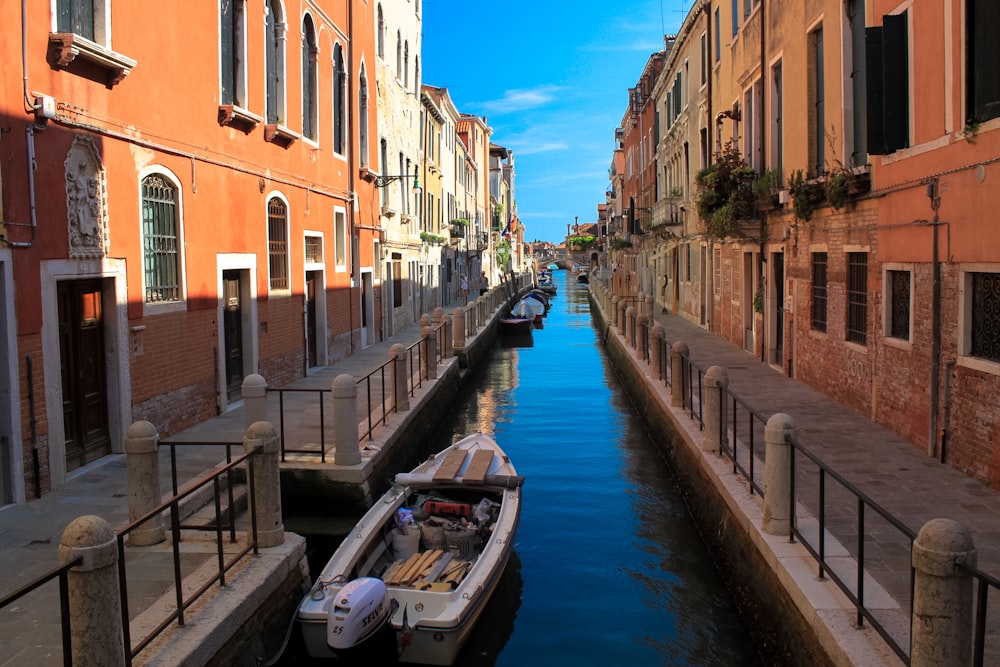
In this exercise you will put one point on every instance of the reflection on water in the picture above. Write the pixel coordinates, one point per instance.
(612, 571)
(607, 567)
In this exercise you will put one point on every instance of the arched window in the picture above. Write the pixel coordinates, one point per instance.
(363, 119)
(406, 64)
(381, 33)
(277, 243)
(274, 61)
(416, 74)
(310, 101)
(160, 240)
(399, 54)
(339, 98)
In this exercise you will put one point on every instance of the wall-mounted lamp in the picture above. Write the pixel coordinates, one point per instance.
(384, 181)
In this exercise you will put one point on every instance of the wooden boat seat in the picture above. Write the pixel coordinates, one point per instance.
(452, 463)
(478, 466)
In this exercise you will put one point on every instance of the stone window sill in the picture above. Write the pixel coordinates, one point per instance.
(68, 51)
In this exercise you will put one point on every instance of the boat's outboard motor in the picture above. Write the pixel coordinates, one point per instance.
(357, 612)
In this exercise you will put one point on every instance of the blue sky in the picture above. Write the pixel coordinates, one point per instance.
(552, 79)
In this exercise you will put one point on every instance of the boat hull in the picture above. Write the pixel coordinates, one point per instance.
(432, 624)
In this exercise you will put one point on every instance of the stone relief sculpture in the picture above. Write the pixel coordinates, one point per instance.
(86, 204)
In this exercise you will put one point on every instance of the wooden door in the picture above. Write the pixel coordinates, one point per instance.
(84, 372)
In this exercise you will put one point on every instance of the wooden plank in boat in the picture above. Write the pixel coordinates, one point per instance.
(478, 466)
(452, 463)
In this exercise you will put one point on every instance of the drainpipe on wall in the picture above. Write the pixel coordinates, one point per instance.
(934, 195)
(29, 136)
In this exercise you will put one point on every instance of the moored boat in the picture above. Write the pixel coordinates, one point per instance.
(423, 560)
(516, 325)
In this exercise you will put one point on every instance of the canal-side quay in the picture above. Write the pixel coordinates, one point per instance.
(942, 523)
(243, 621)
(798, 618)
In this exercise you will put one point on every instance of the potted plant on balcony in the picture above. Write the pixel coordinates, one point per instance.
(725, 193)
(766, 188)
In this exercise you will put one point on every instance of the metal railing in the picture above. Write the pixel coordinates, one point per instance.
(223, 521)
(62, 574)
(742, 432)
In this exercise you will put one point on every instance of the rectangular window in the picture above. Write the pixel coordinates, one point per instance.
(161, 263)
(888, 89)
(314, 249)
(857, 297)
(985, 332)
(340, 239)
(277, 243)
(819, 291)
(899, 304)
(76, 16)
(736, 16)
(718, 36)
(232, 57)
(776, 110)
(817, 104)
(982, 83)
(704, 59)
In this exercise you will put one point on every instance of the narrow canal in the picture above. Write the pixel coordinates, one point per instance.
(608, 568)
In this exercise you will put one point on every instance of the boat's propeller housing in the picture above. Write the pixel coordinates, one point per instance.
(359, 609)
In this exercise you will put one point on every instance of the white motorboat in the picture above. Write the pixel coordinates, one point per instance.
(424, 559)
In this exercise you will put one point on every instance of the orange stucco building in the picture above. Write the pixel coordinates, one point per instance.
(183, 204)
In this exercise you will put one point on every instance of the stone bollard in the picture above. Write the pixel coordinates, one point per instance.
(344, 390)
(459, 331)
(142, 458)
(629, 325)
(436, 315)
(678, 389)
(777, 477)
(265, 488)
(942, 595)
(656, 335)
(649, 306)
(614, 312)
(429, 357)
(254, 400)
(95, 608)
(447, 337)
(716, 377)
(401, 396)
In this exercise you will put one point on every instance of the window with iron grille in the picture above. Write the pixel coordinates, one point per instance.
(985, 334)
(277, 243)
(314, 249)
(819, 291)
(857, 297)
(159, 240)
(899, 304)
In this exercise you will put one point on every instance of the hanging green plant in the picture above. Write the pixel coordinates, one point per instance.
(503, 254)
(836, 189)
(801, 192)
(758, 302)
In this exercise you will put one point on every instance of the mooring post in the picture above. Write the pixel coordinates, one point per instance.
(142, 458)
(777, 476)
(942, 594)
(629, 328)
(678, 353)
(95, 608)
(262, 440)
(254, 400)
(400, 394)
(716, 379)
(447, 337)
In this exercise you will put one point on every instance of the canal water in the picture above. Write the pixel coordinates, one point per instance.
(608, 568)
